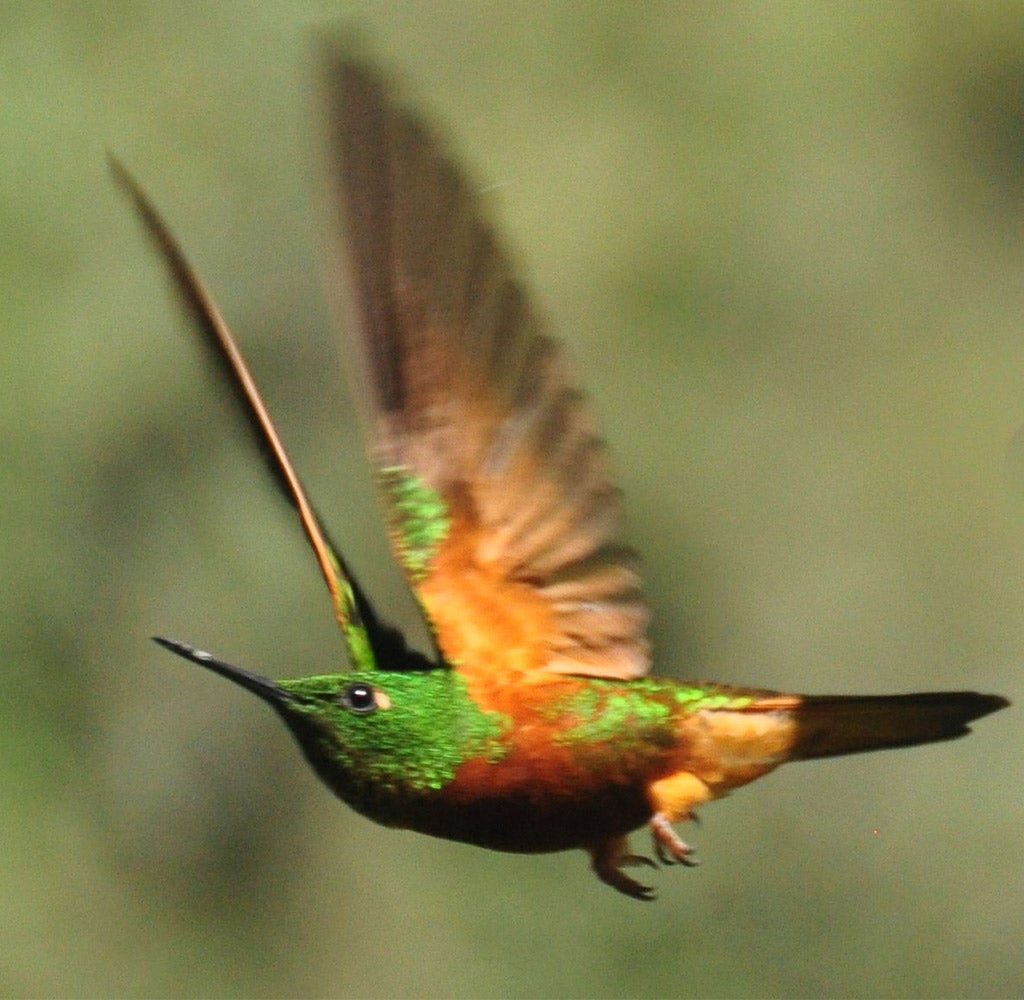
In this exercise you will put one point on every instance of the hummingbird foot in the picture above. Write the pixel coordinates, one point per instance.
(608, 858)
(668, 845)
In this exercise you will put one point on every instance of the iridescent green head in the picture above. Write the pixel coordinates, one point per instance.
(377, 738)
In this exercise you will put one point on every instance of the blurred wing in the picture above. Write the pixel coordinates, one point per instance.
(496, 489)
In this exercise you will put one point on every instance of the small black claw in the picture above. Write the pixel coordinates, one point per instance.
(633, 889)
(666, 857)
(669, 848)
(619, 880)
(607, 863)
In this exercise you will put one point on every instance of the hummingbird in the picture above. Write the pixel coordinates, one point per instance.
(532, 723)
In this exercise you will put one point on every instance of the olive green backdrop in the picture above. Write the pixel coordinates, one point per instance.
(785, 246)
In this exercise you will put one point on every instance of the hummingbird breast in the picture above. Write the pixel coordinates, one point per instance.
(580, 754)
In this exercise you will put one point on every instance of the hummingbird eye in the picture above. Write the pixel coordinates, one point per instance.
(359, 698)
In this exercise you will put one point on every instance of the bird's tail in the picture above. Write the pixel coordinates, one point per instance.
(830, 726)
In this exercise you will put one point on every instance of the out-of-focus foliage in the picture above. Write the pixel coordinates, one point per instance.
(785, 243)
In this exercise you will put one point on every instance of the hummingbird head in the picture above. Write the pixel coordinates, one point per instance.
(376, 737)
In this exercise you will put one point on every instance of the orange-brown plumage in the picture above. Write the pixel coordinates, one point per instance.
(535, 728)
(467, 393)
(479, 615)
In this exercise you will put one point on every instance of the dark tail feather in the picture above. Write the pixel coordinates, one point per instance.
(831, 726)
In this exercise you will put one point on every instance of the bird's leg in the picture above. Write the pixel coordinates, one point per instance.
(609, 857)
(672, 799)
(668, 845)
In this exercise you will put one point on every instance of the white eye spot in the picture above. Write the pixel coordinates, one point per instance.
(383, 701)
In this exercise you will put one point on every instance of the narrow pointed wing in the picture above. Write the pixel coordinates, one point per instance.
(498, 498)
(363, 633)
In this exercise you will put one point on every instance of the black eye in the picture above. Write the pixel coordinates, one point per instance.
(359, 698)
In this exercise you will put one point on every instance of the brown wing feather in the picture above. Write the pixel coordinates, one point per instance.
(469, 395)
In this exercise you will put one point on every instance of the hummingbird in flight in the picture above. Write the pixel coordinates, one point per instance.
(533, 723)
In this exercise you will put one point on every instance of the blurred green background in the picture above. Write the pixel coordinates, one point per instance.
(785, 246)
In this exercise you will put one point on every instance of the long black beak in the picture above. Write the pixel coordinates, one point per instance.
(262, 687)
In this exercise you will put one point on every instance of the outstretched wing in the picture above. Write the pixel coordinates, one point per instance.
(496, 488)
(366, 636)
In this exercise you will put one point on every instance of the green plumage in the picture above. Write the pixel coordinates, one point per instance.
(536, 726)
(415, 744)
